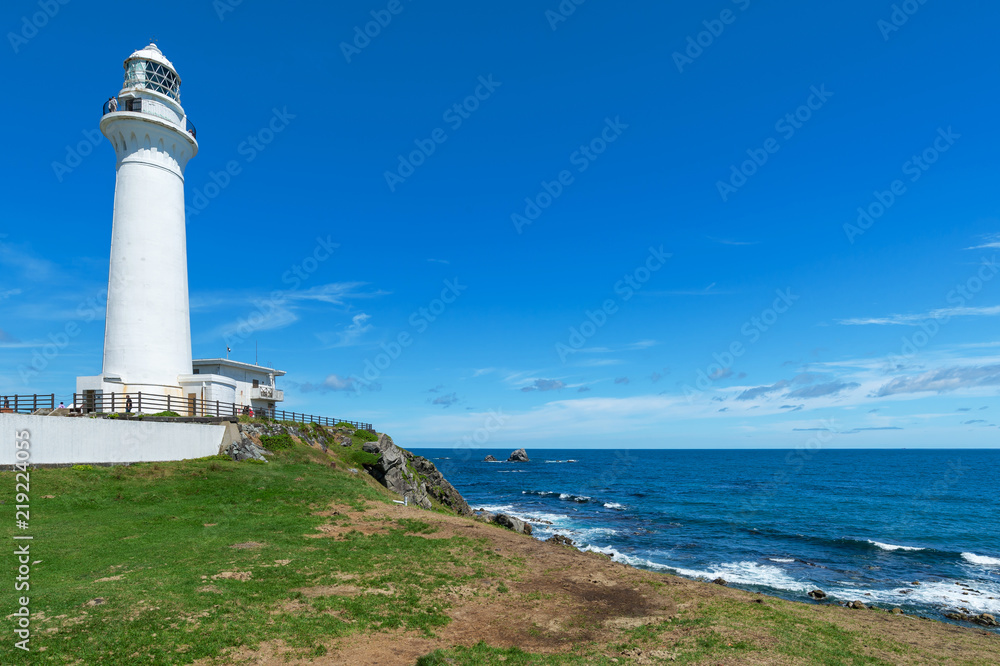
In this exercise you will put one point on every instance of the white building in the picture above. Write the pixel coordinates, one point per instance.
(147, 337)
(237, 383)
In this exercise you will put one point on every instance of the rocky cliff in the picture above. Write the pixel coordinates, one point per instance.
(412, 477)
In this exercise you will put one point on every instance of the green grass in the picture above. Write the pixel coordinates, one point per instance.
(153, 539)
(360, 458)
(282, 442)
(364, 436)
(699, 635)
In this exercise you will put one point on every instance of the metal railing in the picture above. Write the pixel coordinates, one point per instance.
(135, 106)
(151, 403)
(26, 404)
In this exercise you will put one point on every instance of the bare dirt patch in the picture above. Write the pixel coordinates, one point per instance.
(233, 575)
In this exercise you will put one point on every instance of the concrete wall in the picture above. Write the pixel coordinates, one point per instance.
(61, 440)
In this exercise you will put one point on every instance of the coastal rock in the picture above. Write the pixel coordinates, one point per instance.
(986, 620)
(489, 458)
(518, 456)
(392, 471)
(439, 487)
(857, 605)
(560, 539)
(413, 477)
(896, 611)
(720, 581)
(817, 594)
(511, 523)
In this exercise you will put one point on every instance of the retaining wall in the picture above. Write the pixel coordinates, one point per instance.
(58, 440)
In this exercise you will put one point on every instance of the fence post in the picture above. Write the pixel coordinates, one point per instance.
(139, 410)
(15, 403)
(52, 401)
(216, 408)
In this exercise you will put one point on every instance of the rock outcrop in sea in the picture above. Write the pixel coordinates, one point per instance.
(490, 458)
(518, 456)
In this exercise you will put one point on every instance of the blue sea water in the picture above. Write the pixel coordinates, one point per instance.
(917, 529)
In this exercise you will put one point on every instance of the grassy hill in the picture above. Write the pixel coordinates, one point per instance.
(300, 559)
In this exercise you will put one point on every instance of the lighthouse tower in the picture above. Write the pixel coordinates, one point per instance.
(147, 340)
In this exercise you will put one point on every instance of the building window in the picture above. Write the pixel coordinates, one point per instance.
(256, 383)
(197, 371)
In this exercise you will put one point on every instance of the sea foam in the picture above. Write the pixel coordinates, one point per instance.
(743, 573)
(890, 547)
(981, 559)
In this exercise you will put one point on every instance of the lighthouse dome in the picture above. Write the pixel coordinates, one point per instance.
(148, 69)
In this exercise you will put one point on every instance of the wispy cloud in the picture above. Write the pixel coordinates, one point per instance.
(544, 385)
(349, 336)
(760, 391)
(622, 380)
(990, 242)
(821, 390)
(917, 319)
(338, 383)
(445, 400)
(943, 380)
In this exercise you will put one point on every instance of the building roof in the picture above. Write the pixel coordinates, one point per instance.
(236, 364)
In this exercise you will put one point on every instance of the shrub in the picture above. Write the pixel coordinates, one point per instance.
(362, 458)
(281, 442)
(171, 414)
(366, 436)
(83, 468)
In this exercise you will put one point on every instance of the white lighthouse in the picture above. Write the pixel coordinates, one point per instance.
(147, 340)
(147, 335)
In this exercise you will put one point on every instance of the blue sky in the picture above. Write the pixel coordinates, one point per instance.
(640, 226)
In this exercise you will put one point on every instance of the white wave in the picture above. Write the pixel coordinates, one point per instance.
(981, 559)
(627, 559)
(494, 508)
(743, 573)
(891, 547)
(575, 498)
(614, 505)
(968, 596)
(783, 560)
(751, 573)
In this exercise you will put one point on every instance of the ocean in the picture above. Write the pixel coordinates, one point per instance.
(917, 529)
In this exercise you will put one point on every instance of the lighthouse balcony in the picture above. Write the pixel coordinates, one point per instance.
(149, 107)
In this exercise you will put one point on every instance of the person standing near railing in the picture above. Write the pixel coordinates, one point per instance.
(112, 105)
(128, 404)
